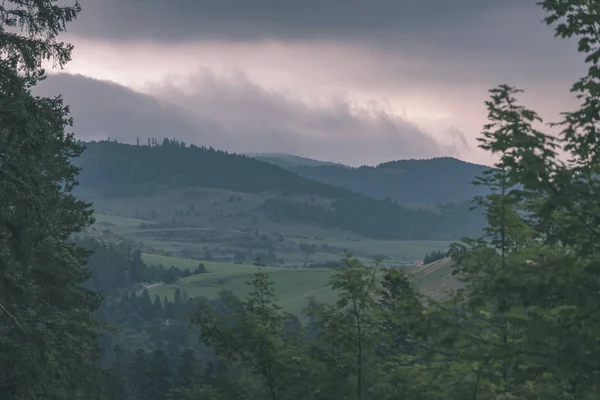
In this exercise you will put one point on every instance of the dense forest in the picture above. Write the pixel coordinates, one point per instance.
(386, 220)
(121, 170)
(76, 323)
(438, 180)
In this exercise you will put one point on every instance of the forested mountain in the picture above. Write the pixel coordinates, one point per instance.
(122, 170)
(437, 180)
(116, 170)
(289, 161)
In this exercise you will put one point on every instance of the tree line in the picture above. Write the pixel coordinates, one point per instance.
(123, 170)
(381, 219)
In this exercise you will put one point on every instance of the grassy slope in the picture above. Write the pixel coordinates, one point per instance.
(436, 279)
(293, 286)
(223, 226)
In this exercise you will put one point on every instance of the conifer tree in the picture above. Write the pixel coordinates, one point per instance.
(48, 343)
(157, 308)
(159, 375)
(145, 306)
(189, 370)
(139, 382)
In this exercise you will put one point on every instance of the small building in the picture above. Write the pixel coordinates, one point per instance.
(418, 263)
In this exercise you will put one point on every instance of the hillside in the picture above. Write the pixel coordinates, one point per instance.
(122, 170)
(192, 186)
(436, 279)
(294, 287)
(289, 161)
(438, 180)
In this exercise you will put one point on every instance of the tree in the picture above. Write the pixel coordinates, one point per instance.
(145, 306)
(138, 376)
(159, 375)
(529, 324)
(45, 313)
(170, 276)
(137, 269)
(250, 333)
(347, 332)
(200, 269)
(118, 388)
(157, 308)
(433, 256)
(188, 372)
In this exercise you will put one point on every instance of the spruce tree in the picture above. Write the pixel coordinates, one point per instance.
(159, 375)
(48, 343)
(189, 370)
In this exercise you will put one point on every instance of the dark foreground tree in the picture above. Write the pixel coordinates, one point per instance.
(48, 342)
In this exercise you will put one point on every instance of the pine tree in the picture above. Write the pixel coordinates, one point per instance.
(159, 375)
(189, 370)
(117, 383)
(45, 313)
(137, 268)
(138, 375)
(157, 308)
(145, 306)
(177, 301)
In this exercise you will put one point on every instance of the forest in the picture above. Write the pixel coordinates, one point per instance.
(77, 321)
(447, 179)
(119, 171)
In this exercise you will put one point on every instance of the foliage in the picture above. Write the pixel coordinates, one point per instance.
(48, 340)
(433, 256)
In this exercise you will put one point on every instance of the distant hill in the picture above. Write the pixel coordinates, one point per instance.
(290, 161)
(121, 170)
(437, 180)
(117, 171)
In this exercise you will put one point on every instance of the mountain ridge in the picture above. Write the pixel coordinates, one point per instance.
(119, 171)
(430, 181)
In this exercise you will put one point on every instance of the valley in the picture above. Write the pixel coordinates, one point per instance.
(184, 219)
(204, 204)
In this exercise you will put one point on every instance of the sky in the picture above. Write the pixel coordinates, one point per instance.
(351, 81)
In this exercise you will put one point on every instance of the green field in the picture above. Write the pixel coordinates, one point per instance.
(293, 286)
(180, 228)
(190, 225)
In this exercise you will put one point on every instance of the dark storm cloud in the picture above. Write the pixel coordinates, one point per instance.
(239, 116)
(177, 20)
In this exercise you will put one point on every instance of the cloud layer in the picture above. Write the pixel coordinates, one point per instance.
(346, 80)
(235, 114)
(176, 20)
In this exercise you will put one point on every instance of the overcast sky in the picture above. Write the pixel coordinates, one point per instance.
(351, 81)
